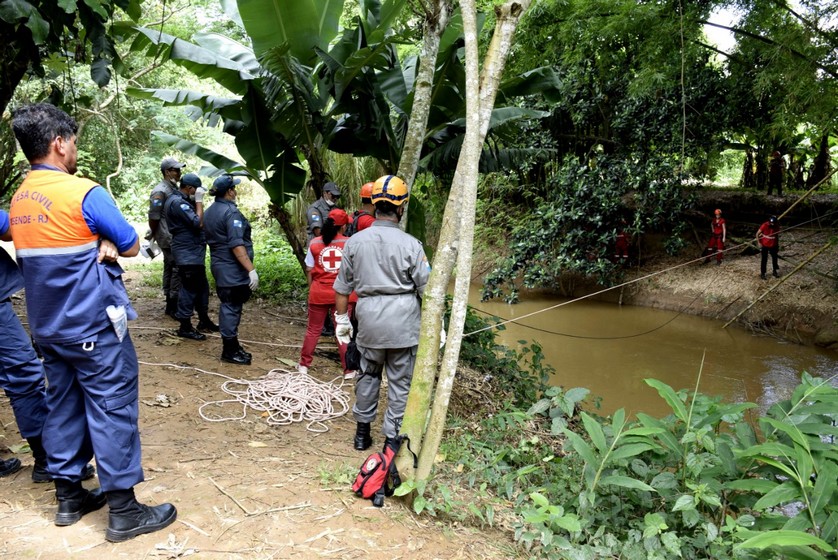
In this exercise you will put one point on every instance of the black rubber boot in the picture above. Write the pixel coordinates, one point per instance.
(231, 352)
(247, 355)
(74, 501)
(171, 307)
(186, 330)
(363, 440)
(40, 472)
(205, 324)
(9, 466)
(129, 518)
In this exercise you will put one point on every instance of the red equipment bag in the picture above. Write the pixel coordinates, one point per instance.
(378, 476)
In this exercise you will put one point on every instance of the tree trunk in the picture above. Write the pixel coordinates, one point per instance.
(748, 178)
(821, 165)
(17, 52)
(455, 245)
(762, 169)
(436, 19)
(287, 227)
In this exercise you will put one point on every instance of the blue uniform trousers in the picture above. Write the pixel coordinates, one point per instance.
(21, 374)
(230, 311)
(93, 404)
(194, 291)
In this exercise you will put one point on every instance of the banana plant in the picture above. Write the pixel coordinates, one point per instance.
(304, 90)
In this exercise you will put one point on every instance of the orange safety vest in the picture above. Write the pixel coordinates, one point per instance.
(67, 290)
(46, 215)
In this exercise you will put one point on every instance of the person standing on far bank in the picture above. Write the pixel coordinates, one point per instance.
(231, 262)
(718, 235)
(184, 211)
(768, 236)
(68, 234)
(171, 169)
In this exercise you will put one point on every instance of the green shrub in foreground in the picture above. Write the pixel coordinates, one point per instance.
(700, 483)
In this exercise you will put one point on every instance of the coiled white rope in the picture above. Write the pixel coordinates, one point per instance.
(285, 396)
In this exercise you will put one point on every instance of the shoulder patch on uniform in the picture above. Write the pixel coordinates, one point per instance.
(157, 201)
(237, 223)
(185, 206)
(315, 217)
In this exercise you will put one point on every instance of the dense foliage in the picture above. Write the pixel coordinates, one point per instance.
(573, 226)
(707, 481)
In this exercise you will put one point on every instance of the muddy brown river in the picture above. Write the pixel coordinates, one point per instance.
(611, 349)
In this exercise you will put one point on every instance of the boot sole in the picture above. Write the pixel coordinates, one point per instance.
(112, 535)
(237, 362)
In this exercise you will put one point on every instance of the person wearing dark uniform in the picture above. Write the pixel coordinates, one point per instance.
(185, 219)
(718, 235)
(231, 263)
(768, 236)
(68, 234)
(388, 270)
(21, 372)
(318, 211)
(323, 261)
(171, 169)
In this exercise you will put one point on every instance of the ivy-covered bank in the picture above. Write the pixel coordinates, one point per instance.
(710, 480)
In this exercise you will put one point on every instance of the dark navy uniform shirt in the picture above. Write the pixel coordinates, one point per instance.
(189, 245)
(226, 228)
(11, 280)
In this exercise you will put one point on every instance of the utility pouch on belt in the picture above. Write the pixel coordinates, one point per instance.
(378, 476)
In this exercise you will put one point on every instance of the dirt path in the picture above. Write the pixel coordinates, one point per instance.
(243, 489)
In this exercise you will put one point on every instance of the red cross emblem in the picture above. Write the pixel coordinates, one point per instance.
(330, 258)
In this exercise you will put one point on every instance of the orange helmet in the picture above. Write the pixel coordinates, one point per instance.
(366, 190)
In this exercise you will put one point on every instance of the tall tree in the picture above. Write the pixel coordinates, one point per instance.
(455, 244)
(34, 30)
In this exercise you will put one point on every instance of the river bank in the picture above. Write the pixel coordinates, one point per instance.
(801, 306)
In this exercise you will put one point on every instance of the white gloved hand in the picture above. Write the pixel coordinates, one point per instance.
(254, 280)
(343, 328)
(199, 194)
(443, 336)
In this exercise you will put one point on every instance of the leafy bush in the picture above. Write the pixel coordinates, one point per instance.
(703, 482)
(573, 228)
(281, 278)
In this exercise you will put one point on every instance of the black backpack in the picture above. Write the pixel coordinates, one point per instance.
(351, 229)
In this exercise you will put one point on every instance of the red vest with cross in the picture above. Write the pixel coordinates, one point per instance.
(327, 261)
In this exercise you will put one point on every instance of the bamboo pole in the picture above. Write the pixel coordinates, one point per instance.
(783, 279)
(807, 193)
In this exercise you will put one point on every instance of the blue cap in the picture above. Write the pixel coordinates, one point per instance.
(190, 180)
(223, 184)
